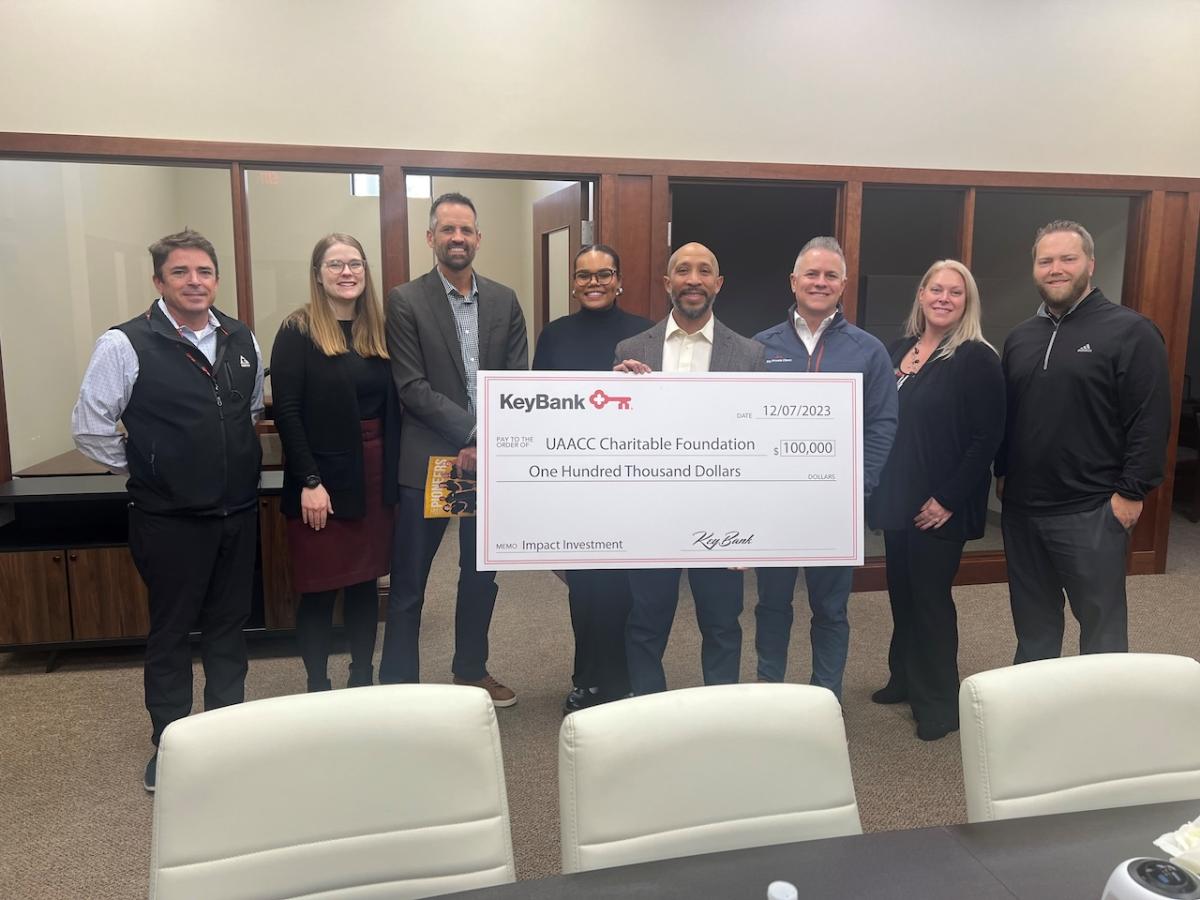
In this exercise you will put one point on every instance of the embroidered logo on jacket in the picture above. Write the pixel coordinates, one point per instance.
(245, 363)
(1086, 348)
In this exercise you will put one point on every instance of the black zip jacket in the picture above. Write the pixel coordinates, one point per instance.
(191, 446)
(1089, 409)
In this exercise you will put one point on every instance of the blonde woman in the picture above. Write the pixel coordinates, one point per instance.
(335, 408)
(932, 493)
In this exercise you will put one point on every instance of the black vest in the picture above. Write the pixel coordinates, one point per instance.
(191, 446)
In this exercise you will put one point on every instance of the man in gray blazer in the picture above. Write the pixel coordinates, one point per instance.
(690, 339)
(442, 329)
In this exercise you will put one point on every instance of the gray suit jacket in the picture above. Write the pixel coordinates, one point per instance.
(730, 352)
(427, 364)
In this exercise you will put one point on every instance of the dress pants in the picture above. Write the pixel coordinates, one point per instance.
(1080, 553)
(829, 631)
(923, 656)
(600, 601)
(718, 595)
(415, 544)
(199, 572)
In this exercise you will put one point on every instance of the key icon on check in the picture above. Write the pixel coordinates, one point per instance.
(599, 399)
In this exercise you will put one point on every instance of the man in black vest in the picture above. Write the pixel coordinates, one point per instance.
(186, 382)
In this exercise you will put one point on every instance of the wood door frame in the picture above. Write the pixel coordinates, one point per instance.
(565, 208)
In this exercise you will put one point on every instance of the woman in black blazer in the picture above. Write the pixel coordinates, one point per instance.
(932, 494)
(335, 408)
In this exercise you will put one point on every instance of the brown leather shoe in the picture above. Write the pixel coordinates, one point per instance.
(501, 695)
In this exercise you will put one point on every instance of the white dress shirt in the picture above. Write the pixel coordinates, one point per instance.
(807, 336)
(108, 384)
(683, 352)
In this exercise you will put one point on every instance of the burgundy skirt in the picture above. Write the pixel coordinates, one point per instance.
(346, 551)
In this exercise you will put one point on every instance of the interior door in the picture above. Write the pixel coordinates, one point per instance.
(557, 234)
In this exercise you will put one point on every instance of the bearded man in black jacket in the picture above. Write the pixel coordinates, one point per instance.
(1089, 414)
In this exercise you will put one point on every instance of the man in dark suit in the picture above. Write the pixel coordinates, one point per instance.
(690, 339)
(442, 329)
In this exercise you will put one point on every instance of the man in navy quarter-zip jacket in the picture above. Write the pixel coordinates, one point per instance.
(186, 382)
(816, 337)
(1089, 415)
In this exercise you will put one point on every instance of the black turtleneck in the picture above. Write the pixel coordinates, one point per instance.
(585, 341)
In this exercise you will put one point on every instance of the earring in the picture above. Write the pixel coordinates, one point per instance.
(620, 291)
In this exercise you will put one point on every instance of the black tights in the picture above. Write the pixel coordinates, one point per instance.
(314, 632)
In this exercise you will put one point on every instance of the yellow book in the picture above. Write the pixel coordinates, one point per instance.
(447, 492)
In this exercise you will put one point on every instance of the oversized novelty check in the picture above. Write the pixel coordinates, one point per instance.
(600, 470)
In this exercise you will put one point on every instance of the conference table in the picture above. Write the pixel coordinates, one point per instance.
(1052, 857)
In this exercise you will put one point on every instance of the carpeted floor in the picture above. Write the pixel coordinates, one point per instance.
(76, 822)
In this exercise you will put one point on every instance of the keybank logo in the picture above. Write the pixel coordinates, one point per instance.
(598, 399)
(540, 401)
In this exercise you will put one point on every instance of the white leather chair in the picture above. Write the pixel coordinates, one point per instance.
(702, 769)
(1082, 732)
(387, 791)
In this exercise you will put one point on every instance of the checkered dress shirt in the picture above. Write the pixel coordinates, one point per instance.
(466, 318)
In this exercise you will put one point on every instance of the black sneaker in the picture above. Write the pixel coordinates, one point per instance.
(581, 698)
(151, 774)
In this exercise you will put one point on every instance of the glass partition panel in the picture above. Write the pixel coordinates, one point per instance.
(289, 212)
(1002, 260)
(73, 249)
(505, 208)
(903, 231)
(755, 230)
(1002, 263)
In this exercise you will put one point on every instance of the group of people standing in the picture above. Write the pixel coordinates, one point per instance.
(1073, 416)
(363, 397)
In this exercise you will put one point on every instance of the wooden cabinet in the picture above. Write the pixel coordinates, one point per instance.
(34, 606)
(279, 600)
(66, 573)
(108, 596)
(62, 595)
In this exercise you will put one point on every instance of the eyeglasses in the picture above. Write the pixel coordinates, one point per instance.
(602, 276)
(337, 265)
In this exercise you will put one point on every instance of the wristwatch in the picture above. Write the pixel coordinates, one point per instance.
(312, 481)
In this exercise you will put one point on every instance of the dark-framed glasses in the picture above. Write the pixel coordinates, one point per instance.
(602, 276)
(337, 265)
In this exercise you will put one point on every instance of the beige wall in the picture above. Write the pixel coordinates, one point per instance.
(1101, 86)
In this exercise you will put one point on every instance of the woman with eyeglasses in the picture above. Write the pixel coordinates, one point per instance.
(599, 599)
(339, 423)
(932, 493)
